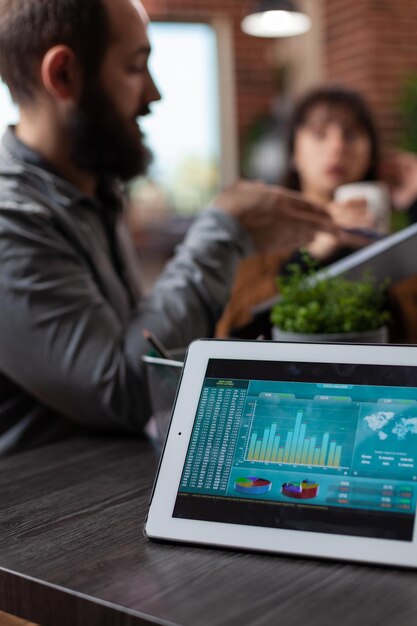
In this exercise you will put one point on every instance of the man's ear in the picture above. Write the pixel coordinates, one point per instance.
(61, 73)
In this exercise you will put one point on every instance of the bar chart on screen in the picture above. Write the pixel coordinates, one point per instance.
(301, 436)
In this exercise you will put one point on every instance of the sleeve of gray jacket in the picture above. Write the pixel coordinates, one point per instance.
(61, 340)
(196, 283)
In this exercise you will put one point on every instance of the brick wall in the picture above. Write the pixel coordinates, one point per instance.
(371, 45)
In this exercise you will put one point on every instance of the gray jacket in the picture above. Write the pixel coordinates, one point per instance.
(71, 314)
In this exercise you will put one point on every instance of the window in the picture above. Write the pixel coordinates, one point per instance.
(183, 130)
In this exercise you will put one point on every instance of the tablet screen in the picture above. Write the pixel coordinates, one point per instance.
(304, 446)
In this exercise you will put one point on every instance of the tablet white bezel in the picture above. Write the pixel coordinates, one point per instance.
(160, 523)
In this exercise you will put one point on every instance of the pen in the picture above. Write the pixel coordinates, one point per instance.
(364, 232)
(157, 345)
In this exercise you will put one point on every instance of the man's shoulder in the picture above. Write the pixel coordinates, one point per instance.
(15, 191)
(18, 202)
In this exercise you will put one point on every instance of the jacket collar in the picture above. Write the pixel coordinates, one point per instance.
(16, 158)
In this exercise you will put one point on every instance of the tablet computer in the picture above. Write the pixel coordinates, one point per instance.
(393, 257)
(304, 449)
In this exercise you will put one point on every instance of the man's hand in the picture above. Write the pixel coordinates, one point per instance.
(275, 218)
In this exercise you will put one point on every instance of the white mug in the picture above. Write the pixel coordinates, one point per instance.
(376, 194)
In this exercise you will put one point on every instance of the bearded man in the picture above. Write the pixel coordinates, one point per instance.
(72, 314)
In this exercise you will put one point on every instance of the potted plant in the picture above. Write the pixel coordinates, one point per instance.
(321, 308)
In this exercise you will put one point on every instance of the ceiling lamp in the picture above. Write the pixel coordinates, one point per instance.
(275, 18)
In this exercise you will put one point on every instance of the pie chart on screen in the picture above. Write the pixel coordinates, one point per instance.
(252, 485)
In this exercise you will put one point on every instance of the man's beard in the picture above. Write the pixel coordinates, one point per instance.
(103, 142)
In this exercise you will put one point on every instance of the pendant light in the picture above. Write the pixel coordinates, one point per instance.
(275, 18)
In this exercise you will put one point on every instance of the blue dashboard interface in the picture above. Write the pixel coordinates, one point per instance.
(318, 447)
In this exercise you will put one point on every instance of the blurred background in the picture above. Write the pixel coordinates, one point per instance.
(227, 95)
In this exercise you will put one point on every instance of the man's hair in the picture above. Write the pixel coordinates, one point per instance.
(29, 28)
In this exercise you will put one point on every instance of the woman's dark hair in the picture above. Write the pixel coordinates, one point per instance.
(334, 97)
(29, 28)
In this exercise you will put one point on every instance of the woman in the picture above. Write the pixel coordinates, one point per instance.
(332, 141)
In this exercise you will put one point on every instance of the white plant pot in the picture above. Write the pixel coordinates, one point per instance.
(379, 335)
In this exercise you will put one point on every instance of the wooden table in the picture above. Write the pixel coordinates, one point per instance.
(72, 553)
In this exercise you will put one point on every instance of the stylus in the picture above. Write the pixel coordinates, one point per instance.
(364, 232)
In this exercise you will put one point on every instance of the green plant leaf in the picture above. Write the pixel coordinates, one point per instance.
(329, 304)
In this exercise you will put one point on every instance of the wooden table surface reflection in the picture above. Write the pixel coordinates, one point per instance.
(72, 552)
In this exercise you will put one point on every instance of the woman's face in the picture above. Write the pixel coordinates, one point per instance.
(330, 149)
